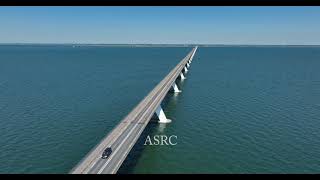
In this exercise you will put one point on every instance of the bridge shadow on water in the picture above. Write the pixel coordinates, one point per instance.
(152, 128)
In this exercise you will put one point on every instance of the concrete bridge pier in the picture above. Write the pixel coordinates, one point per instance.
(182, 76)
(162, 117)
(185, 69)
(175, 88)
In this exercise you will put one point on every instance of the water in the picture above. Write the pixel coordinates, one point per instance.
(241, 110)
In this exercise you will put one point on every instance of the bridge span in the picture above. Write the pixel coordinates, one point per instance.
(123, 137)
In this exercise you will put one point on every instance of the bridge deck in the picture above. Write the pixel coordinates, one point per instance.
(122, 138)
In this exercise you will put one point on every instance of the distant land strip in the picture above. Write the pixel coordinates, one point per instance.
(158, 45)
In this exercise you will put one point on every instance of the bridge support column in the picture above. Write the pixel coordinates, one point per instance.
(185, 69)
(188, 65)
(162, 117)
(175, 88)
(182, 76)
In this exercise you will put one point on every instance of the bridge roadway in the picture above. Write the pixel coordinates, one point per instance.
(123, 137)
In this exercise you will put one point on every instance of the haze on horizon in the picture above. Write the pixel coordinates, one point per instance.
(161, 25)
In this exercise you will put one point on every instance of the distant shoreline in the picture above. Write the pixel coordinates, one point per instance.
(154, 45)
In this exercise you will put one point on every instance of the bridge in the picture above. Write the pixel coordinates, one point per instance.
(123, 137)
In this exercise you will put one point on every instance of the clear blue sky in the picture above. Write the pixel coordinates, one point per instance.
(213, 25)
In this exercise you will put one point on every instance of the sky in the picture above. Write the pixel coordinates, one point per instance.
(161, 25)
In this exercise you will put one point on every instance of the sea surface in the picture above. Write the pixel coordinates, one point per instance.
(241, 109)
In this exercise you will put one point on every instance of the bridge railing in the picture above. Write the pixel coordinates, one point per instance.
(162, 87)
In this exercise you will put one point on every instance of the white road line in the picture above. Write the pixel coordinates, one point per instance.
(97, 160)
(118, 147)
(111, 144)
(104, 166)
(130, 145)
(124, 140)
(126, 152)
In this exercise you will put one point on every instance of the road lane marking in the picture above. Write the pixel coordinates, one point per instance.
(153, 95)
(126, 152)
(187, 58)
(117, 149)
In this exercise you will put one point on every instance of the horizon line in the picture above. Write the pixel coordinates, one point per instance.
(180, 44)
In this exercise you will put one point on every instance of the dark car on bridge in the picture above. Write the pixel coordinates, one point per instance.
(106, 153)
